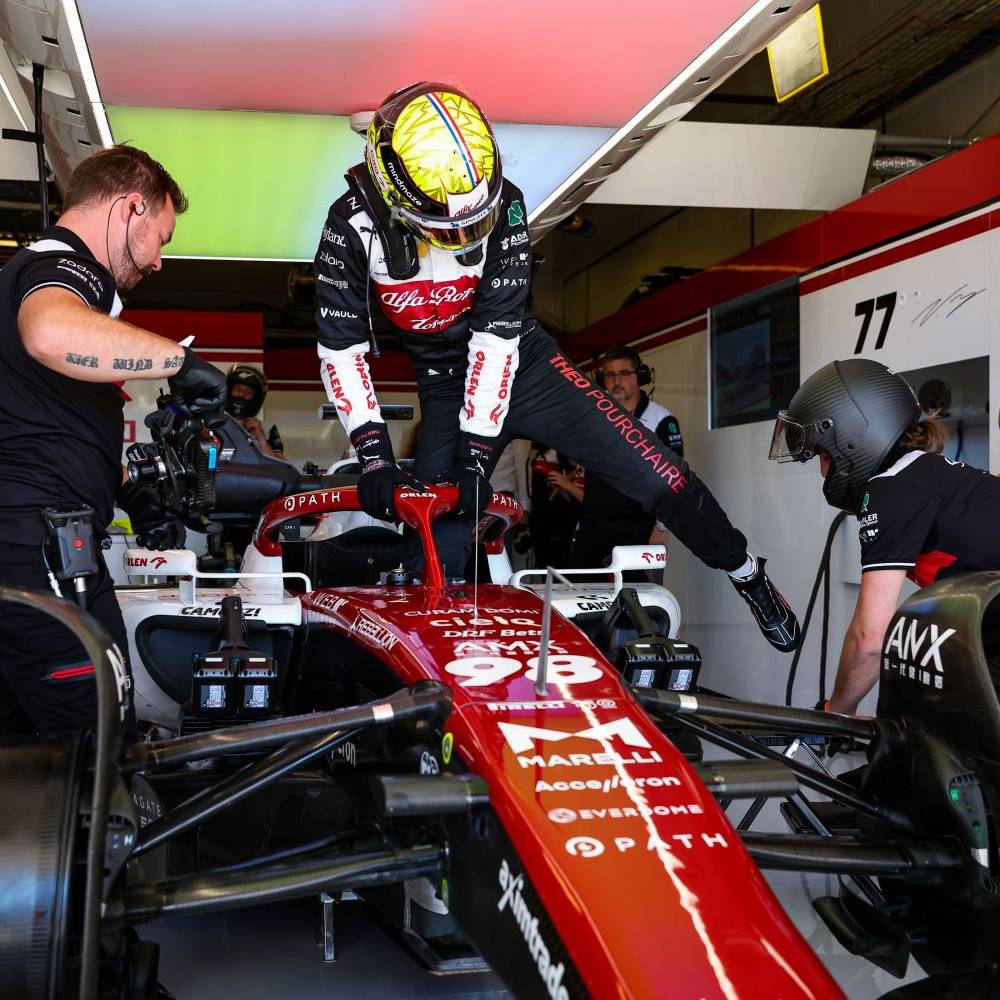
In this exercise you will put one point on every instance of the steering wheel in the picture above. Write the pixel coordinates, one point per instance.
(418, 510)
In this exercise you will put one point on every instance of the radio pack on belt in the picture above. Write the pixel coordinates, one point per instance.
(70, 550)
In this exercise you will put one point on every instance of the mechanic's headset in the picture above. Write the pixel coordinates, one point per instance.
(642, 370)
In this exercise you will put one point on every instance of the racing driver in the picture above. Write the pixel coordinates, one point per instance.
(920, 515)
(432, 232)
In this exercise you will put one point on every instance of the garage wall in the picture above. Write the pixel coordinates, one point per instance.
(780, 507)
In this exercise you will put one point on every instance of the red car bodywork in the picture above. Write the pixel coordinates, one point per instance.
(646, 882)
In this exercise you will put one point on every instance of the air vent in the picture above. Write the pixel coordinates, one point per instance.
(781, 10)
(74, 111)
(83, 142)
(701, 80)
(50, 41)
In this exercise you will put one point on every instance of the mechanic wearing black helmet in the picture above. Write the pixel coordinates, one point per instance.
(920, 515)
(65, 353)
(431, 231)
(247, 389)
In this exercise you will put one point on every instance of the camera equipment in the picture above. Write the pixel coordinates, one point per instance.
(181, 462)
(234, 682)
(646, 658)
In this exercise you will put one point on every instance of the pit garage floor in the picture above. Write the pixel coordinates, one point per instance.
(271, 952)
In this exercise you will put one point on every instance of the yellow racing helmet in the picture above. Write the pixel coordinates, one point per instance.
(433, 157)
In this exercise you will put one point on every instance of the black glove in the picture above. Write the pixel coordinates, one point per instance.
(475, 456)
(197, 386)
(379, 473)
(154, 526)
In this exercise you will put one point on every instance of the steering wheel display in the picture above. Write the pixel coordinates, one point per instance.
(418, 510)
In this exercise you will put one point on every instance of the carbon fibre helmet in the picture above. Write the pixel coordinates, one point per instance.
(855, 411)
(433, 157)
(253, 379)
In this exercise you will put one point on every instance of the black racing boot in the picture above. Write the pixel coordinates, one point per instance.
(774, 615)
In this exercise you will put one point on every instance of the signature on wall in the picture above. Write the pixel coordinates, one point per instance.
(947, 306)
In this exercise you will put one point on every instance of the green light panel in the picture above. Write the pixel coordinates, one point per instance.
(259, 184)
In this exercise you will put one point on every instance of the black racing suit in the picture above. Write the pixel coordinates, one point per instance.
(609, 517)
(485, 367)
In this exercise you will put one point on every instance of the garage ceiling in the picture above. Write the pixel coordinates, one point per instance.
(252, 97)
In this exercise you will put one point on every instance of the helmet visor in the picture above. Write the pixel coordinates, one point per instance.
(456, 234)
(795, 442)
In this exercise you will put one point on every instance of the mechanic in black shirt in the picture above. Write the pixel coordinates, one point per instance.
(431, 231)
(610, 517)
(921, 515)
(64, 356)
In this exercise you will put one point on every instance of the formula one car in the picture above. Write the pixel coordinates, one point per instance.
(468, 748)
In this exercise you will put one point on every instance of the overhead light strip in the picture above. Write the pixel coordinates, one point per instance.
(685, 74)
(79, 39)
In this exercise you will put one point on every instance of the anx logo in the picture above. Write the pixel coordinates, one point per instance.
(913, 651)
(522, 738)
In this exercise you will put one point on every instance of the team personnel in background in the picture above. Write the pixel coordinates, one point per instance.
(247, 390)
(61, 429)
(610, 517)
(431, 231)
(920, 515)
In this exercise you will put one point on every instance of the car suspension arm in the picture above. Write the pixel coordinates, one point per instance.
(245, 782)
(425, 700)
(287, 879)
(752, 713)
(840, 791)
(848, 855)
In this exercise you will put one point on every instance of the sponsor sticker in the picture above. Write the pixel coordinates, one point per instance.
(512, 900)
(447, 746)
(914, 652)
(584, 847)
(214, 610)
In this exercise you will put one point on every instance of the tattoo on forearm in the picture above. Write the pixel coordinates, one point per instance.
(85, 360)
(174, 362)
(133, 364)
